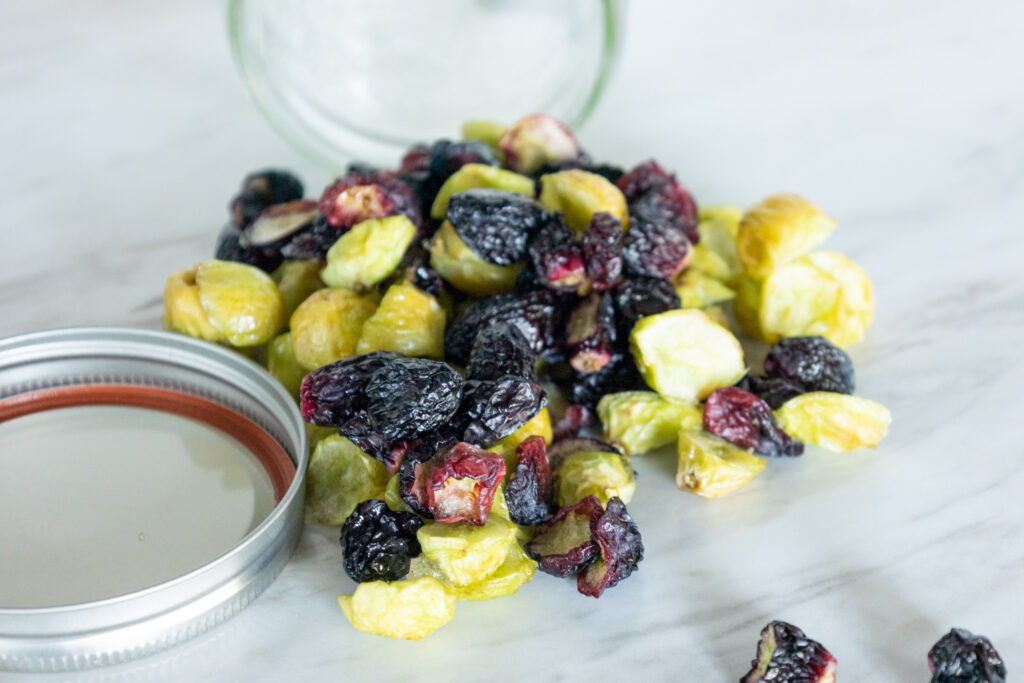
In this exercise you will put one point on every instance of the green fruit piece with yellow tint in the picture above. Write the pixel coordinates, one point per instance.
(368, 253)
(712, 467)
(465, 553)
(327, 326)
(407, 610)
(515, 572)
(746, 306)
(473, 176)
(283, 365)
(538, 425)
(487, 132)
(642, 421)
(183, 311)
(601, 474)
(296, 280)
(457, 264)
(715, 254)
(579, 195)
(838, 422)
(779, 229)
(340, 476)
(697, 290)
(409, 321)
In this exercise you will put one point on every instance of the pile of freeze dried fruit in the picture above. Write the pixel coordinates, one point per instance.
(451, 327)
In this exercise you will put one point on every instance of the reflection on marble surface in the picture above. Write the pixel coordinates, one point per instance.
(124, 130)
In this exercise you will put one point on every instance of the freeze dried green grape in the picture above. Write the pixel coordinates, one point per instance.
(410, 610)
(458, 265)
(296, 280)
(579, 195)
(340, 476)
(715, 254)
(684, 355)
(514, 572)
(838, 422)
(711, 467)
(466, 553)
(408, 321)
(326, 327)
(487, 132)
(697, 290)
(746, 306)
(473, 176)
(368, 253)
(600, 474)
(283, 365)
(642, 420)
(778, 230)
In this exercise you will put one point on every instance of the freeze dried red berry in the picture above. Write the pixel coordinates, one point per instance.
(462, 484)
(357, 196)
(590, 333)
(528, 491)
(745, 420)
(493, 409)
(602, 251)
(574, 419)
(416, 160)
(785, 653)
(556, 256)
(333, 394)
(620, 550)
(962, 657)
(563, 545)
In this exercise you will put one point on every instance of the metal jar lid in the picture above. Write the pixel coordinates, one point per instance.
(165, 374)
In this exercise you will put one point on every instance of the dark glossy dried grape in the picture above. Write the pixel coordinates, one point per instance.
(621, 550)
(590, 333)
(962, 657)
(462, 484)
(772, 390)
(786, 654)
(587, 388)
(811, 362)
(377, 543)
(528, 491)
(333, 394)
(640, 297)
(446, 157)
(359, 431)
(745, 420)
(499, 350)
(356, 197)
(313, 242)
(537, 314)
(495, 409)
(602, 251)
(648, 184)
(232, 247)
(556, 257)
(260, 190)
(564, 545)
(572, 421)
(412, 395)
(653, 246)
(495, 224)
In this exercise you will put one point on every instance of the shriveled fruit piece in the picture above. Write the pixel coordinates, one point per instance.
(962, 657)
(586, 389)
(716, 253)
(590, 333)
(378, 543)
(466, 553)
(495, 225)
(556, 256)
(389, 451)
(620, 550)
(785, 653)
(474, 176)
(495, 409)
(501, 349)
(340, 475)
(649, 178)
(488, 132)
(593, 473)
(462, 484)
(838, 422)
(812, 362)
(642, 420)
(563, 545)
(514, 572)
(602, 251)
(333, 394)
(408, 320)
(528, 493)
(326, 327)
(278, 225)
(409, 610)
(283, 365)
(368, 253)
(579, 195)
(684, 355)
(296, 280)
(712, 467)
(779, 229)
(538, 425)
(654, 246)
(772, 390)
(414, 480)
(697, 290)
(409, 396)
(640, 297)
(821, 293)
(460, 266)
(537, 314)
(537, 141)
(262, 189)
(232, 246)
(745, 420)
(359, 196)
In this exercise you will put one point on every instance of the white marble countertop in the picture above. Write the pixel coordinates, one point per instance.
(124, 129)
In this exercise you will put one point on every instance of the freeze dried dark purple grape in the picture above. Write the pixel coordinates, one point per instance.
(446, 157)
(495, 409)
(786, 654)
(537, 314)
(495, 224)
(416, 269)
(313, 242)
(413, 476)
(556, 257)
(587, 388)
(649, 188)
(333, 394)
(639, 297)
(621, 550)
(962, 657)
(232, 247)
(359, 431)
(590, 333)
(772, 390)
(572, 421)
(377, 543)
(528, 492)
(260, 190)
(653, 246)
(745, 420)
(412, 395)
(499, 350)
(564, 545)
(811, 362)
(602, 251)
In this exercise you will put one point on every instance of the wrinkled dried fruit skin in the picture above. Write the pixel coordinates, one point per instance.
(414, 478)
(495, 409)
(579, 195)
(368, 253)
(811, 362)
(473, 176)
(564, 545)
(653, 190)
(408, 610)
(774, 391)
(260, 190)
(358, 196)
(537, 314)
(590, 333)
(335, 393)
(390, 452)
(745, 420)
(602, 251)
(653, 246)
(495, 224)
(785, 653)
(536, 141)
(640, 297)
(601, 474)
(501, 349)
(711, 467)
(586, 389)
(326, 326)
(528, 491)
(962, 657)
(838, 422)
(231, 246)
(462, 484)
(408, 320)
(412, 395)
(642, 421)
(779, 229)
(621, 550)
(557, 257)
(466, 271)
(377, 543)
(573, 420)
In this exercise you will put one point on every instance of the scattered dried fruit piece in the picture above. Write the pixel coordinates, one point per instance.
(368, 253)
(528, 493)
(488, 132)
(785, 653)
(378, 543)
(574, 419)
(340, 475)
(745, 420)
(476, 176)
(715, 254)
(515, 572)
(962, 657)
(360, 196)
(640, 297)
(462, 484)
(586, 389)
(409, 610)
(326, 327)
(495, 225)
(283, 365)
(602, 251)
(579, 195)
(461, 267)
(811, 362)
(712, 467)
(296, 280)
(492, 410)
(501, 349)
(563, 545)
(654, 246)
(772, 390)
(779, 229)
(593, 473)
(408, 321)
(262, 189)
(537, 314)
(556, 257)
(590, 333)
(697, 290)
(537, 141)
(838, 422)
(333, 394)
(538, 425)
(642, 420)
(409, 396)
(465, 553)
(621, 550)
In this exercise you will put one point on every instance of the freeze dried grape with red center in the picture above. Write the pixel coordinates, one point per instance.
(811, 362)
(772, 390)
(357, 196)
(499, 350)
(962, 657)
(377, 543)
(528, 492)
(537, 314)
(564, 545)
(494, 409)
(785, 653)
(333, 394)
(260, 190)
(640, 297)
(620, 550)
(390, 452)
(654, 246)
(556, 256)
(745, 420)
(602, 251)
(462, 484)
(590, 333)
(664, 191)
(412, 395)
